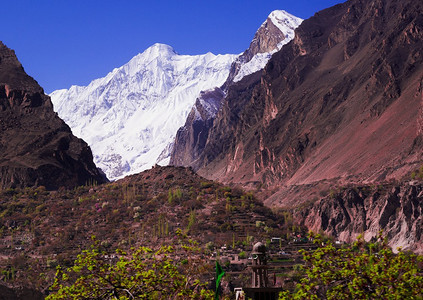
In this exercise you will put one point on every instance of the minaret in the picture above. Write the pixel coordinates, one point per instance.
(260, 288)
(259, 267)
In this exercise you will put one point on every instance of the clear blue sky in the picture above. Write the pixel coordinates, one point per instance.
(66, 42)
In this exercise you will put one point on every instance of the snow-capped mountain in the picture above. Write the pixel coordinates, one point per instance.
(130, 117)
(272, 35)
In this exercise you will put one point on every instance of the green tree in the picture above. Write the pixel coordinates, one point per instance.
(139, 274)
(360, 271)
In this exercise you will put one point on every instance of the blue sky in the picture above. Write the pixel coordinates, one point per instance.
(66, 42)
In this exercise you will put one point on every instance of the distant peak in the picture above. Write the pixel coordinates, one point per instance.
(280, 13)
(283, 20)
(160, 49)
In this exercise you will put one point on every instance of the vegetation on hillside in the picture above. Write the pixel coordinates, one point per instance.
(145, 215)
(417, 174)
(41, 229)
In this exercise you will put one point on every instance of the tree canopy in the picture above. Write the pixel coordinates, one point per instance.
(137, 274)
(359, 271)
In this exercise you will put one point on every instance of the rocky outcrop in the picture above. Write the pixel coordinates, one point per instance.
(342, 101)
(36, 146)
(397, 210)
(266, 39)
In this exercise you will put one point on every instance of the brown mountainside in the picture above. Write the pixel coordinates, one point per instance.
(341, 102)
(36, 146)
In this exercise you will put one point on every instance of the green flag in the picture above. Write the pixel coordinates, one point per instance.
(219, 275)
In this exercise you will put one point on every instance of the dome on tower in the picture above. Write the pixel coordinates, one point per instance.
(259, 248)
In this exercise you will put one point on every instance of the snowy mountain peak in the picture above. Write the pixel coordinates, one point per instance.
(157, 52)
(130, 116)
(277, 31)
(159, 49)
(285, 22)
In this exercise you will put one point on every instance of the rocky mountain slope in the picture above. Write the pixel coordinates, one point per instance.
(272, 35)
(36, 146)
(130, 117)
(342, 102)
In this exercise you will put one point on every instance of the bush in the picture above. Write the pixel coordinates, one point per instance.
(418, 174)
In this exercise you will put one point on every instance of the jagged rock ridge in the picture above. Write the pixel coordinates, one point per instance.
(36, 146)
(192, 137)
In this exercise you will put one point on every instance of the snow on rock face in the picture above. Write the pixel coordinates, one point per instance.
(131, 116)
(283, 22)
(258, 62)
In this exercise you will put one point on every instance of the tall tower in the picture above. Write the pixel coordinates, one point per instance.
(260, 288)
(259, 268)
